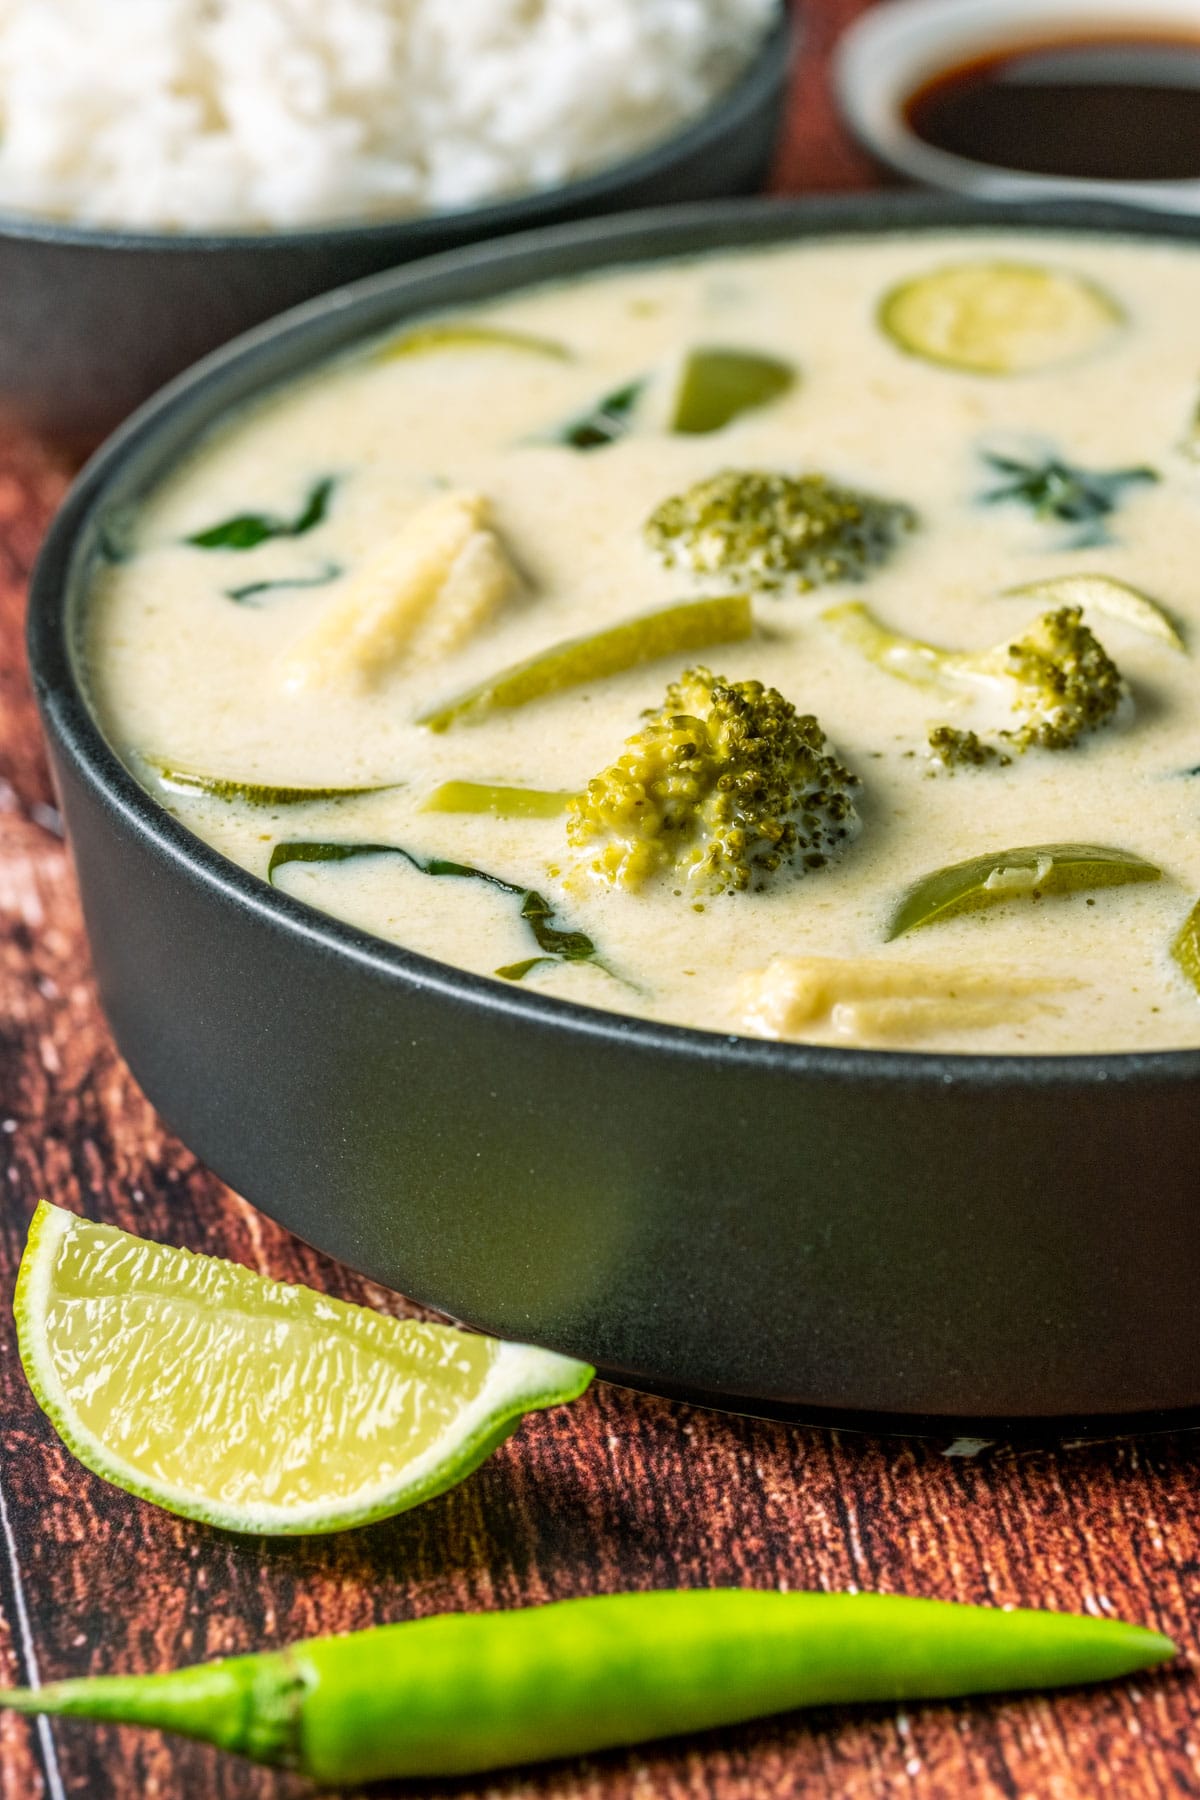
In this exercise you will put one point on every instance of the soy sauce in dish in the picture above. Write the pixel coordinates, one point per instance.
(1115, 108)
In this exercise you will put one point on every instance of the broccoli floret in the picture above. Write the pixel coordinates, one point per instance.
(724, 786)
(1059, 676)
(764, 530)
(956, 749)
(1067, 682)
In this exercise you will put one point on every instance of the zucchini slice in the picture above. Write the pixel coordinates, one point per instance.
(999, 318)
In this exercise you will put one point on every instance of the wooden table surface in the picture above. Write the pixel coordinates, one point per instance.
(619, 1491)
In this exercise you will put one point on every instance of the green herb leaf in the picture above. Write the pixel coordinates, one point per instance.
(517, 971)
(247, 530)
(1058, 490)
(605, 422)
(248, 594)
(571, 946)
(555, 944)
(115, 534)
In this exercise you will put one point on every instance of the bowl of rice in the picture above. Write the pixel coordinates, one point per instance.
(175, 171)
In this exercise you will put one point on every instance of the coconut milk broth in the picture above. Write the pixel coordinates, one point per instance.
(186, 676)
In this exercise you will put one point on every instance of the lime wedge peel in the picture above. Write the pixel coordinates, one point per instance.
(255, 1406)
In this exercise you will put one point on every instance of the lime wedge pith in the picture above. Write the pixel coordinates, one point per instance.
(259, 1407)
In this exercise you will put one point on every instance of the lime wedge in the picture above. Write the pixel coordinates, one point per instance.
(997, 318)
(223, 1396)
(716, 385)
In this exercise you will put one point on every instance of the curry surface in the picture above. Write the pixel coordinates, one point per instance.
(184, 675)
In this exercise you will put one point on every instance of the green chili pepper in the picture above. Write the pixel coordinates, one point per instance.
(715, 386)
(1186, 948)
(555, 944)
(500, 801)
(447, 334)
(1015, 874)
(247, 530)
(690, 625)
(1105, 594)
(255, 793)
(464, 1692)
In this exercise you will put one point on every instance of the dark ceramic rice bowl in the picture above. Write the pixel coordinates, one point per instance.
(803, 1230)
(92, 321)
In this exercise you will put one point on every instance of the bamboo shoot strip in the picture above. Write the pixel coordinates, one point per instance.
(468, 1692)
(554, 944)
(245, 531)
(689, 625)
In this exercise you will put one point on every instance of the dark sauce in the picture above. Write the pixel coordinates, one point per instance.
(1113, 108)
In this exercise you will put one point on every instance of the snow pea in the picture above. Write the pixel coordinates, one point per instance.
(463, 1693)
(1002, 875)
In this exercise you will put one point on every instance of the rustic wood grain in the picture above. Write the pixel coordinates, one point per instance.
(619, 1491)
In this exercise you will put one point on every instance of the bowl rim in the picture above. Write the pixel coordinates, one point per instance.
(890, 52)
(169, 425)
(733, 108)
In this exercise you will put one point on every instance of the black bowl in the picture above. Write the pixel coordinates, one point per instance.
(767, 1226)
(92, 322)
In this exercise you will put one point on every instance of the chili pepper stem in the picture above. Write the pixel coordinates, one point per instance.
(248, 1704)
(463, 1693)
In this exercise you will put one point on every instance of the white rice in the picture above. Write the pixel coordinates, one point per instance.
(247, 114)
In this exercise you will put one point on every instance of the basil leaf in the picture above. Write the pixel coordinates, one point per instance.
(247, 595)
(247, 530)
(603, 423)
(571, 946)
(555, 944)
(1058, 490)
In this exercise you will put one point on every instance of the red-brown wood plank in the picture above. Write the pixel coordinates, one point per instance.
(618, 1491)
